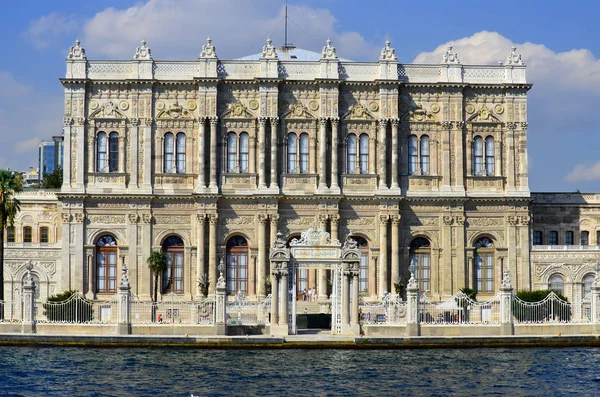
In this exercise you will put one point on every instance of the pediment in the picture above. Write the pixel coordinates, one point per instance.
(484, 115)
(298, 111)
(419, 115)
(174, 111)
(108, 111)
(238, 110)
(358, 112)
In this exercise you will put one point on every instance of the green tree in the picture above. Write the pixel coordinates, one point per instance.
(10, 184)
(53, 180)
(157, 262)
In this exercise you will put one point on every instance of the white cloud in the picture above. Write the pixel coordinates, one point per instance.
(27, 145)
(44, 31)
(584, 173)
(177, 29)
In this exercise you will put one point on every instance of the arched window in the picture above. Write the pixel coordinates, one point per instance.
(413, 156)
(237, 265)
(10, 234)
(173, 275)
(44, 237)
(537, 238)
(244, 152)
(180, 153)
(169, 149)
(477, 156)
(231, 152)
(588, 280)
(424, 155)
(27, 234)
(364, 153)
(351, 154)
(484, 265)
(363, 275)
(101, 153)
(303, 153)
(556, 283)
(113, 154)
(569, 237)
(420, 257)
(585, 238)
(106, 264)
(553, 237)
(489, 156)
(291, 153)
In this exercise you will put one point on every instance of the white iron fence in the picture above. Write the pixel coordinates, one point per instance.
(551, 309)
(459, 309)
(78, 310)
(244, 312)
(390, 311)
(171, 310)
(11, 312)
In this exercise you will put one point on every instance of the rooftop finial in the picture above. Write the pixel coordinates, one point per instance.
(208, 50)
(514, 58)
(142, 52)
(450, 56)
(329, 51)
(388, 53)
(77, 52)
(268, 50)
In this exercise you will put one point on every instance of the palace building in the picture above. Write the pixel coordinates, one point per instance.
(209, 159)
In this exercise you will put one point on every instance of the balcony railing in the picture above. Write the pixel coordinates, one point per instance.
(566, 247)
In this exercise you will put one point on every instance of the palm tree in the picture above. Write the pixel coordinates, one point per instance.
(157, 262)
(10, 184)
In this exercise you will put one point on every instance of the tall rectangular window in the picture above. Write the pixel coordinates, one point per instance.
(10, 234)
(27, 235)
(113, 155)
(569, 238)
(44, 234)
(537, 238)
(553, 238)
(585, 238)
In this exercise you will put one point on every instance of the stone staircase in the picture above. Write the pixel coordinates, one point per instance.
(312, 307)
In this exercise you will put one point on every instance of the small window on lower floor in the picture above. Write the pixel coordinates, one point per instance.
(44, 235)
(27, 235)
(537, 238)
(10, 234)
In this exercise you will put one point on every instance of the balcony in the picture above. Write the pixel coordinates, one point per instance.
(565, 247)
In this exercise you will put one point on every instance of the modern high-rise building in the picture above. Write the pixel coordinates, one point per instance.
(50, 156)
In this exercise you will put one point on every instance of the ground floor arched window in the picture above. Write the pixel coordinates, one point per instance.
(173, 275)
(484, 265)
(237, 265)
(106, 264)
(556, 283)
(363, 274)
(420, 258)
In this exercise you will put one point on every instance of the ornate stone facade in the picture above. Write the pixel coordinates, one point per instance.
(211, 149)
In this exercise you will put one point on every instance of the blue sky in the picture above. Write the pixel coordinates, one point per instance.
(558, 42)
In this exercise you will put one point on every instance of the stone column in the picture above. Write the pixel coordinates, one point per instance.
(335, 221)
(28, 313)
(283, 299)
(313, 155)
(212, 249)
(506, 318)
(252, 155)
(274, 219)
(91, 292)
(412, 307)
(201, 152)
(67, 122)
(274, 297)
(354, 306)
(382, 154)
(124, 324)
(373, 276)
(395, 123)
(322, 273)
(459, 155)
(213, 154)
(323, 153)
(274, 171)
(221, 307)
(252, 275)
(510, 156)
(134, 152)
(383, 272)
(346, 297)
(595, 304)
(200, 265)
(262, 247)
(261, 153)
(445, 132)
(121, 165)
(334, 153)
(395, 249)
(372, 152)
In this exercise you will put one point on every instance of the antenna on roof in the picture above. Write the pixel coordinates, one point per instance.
(286, 46)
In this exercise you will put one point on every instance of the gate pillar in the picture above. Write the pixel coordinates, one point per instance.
(351, 264)
(506, 319)
(412, 305)
(279, 257)
(28, 296)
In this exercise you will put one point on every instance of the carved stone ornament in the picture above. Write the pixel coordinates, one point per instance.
(506, 279)
(450, 57)
(269, 50)
(77, 52)
(142, 52)
(388, 53)
(208, 49)
(239, 110)
(313, 237)
(514, 58)
(298, 110)
(329, 51)
(358, 111)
